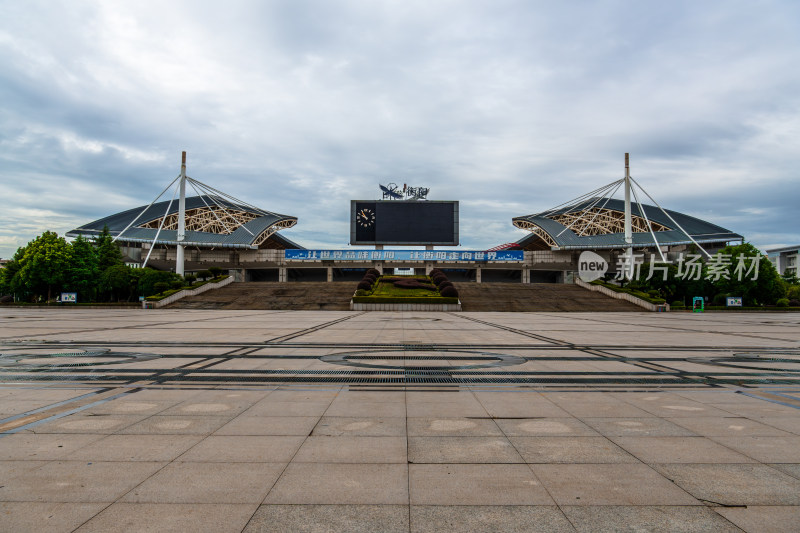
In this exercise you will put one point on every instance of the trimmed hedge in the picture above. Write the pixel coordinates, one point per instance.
(449, 292)
(413, 284)
(161, 296)
(392, 285)
(639, 294)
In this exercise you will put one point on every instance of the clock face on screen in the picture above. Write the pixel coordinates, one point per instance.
(365, 217)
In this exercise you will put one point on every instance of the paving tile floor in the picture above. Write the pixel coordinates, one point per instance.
(619, 429)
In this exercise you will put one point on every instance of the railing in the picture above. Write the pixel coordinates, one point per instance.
(622, 296)
(156, 304)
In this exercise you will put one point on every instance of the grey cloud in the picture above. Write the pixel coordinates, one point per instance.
(511, 107)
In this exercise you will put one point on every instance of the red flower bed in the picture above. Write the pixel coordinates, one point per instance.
(412, 284)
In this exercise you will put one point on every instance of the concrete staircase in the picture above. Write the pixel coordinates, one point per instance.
(336, 297)
(310, 295)
(522, 297)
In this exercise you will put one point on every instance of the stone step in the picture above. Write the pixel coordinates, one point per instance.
(519, 297)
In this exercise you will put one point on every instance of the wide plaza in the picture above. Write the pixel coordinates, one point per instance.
(183, 420)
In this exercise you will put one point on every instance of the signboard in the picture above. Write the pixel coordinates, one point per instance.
(698, 304)
(505, 256)
(733, 301)
(69, 297)
(407, 223)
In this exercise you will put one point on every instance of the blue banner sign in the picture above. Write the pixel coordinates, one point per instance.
(404, 255)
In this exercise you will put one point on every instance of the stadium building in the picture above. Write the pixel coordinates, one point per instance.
(231, 234)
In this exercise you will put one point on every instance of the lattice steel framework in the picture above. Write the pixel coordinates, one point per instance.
(587, 215)
(601, 221)
(536, 230)
(264, 235)
(212, 219)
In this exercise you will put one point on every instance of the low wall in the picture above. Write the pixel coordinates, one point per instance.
(622, 296)
(155, 304)
(404, 307)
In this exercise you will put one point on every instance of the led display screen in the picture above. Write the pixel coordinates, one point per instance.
(404, 222)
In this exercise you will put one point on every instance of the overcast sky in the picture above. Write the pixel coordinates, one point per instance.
(298, 106)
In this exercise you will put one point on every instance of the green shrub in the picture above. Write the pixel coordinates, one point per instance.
(204, 274)
(162, 295)
(215, 271)
(361, 292)
(149, 277)
(449, 291)
(677, 303)
(160, 286)
(638, 294)
(190, 278)
(783, 302)
(793, 292)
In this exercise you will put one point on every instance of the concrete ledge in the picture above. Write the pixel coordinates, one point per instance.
(622, 296)
(156, 304)
(405, 307)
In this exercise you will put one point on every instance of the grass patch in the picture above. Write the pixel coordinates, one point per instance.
(386, 289)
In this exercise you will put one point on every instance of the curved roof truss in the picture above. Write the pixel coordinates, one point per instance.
(597, 220)
(212, 219)
(603, 221)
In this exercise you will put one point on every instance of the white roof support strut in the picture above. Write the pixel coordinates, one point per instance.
(179, 261)
(672, 219)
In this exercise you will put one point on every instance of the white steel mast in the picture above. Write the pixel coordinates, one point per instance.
(628, 232)
(181, 218)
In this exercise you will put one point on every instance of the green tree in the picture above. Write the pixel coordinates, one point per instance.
(681, 288)
(116, 281)
(136, 276)
(766, 289)
(160, 286)
(108, 253)
(83, 271)
(790, 277)
(793, 292)
(9, 276)
(149, 277)
(44, 264)
(204, 274)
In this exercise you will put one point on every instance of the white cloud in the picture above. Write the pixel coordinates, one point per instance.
(510, 107)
